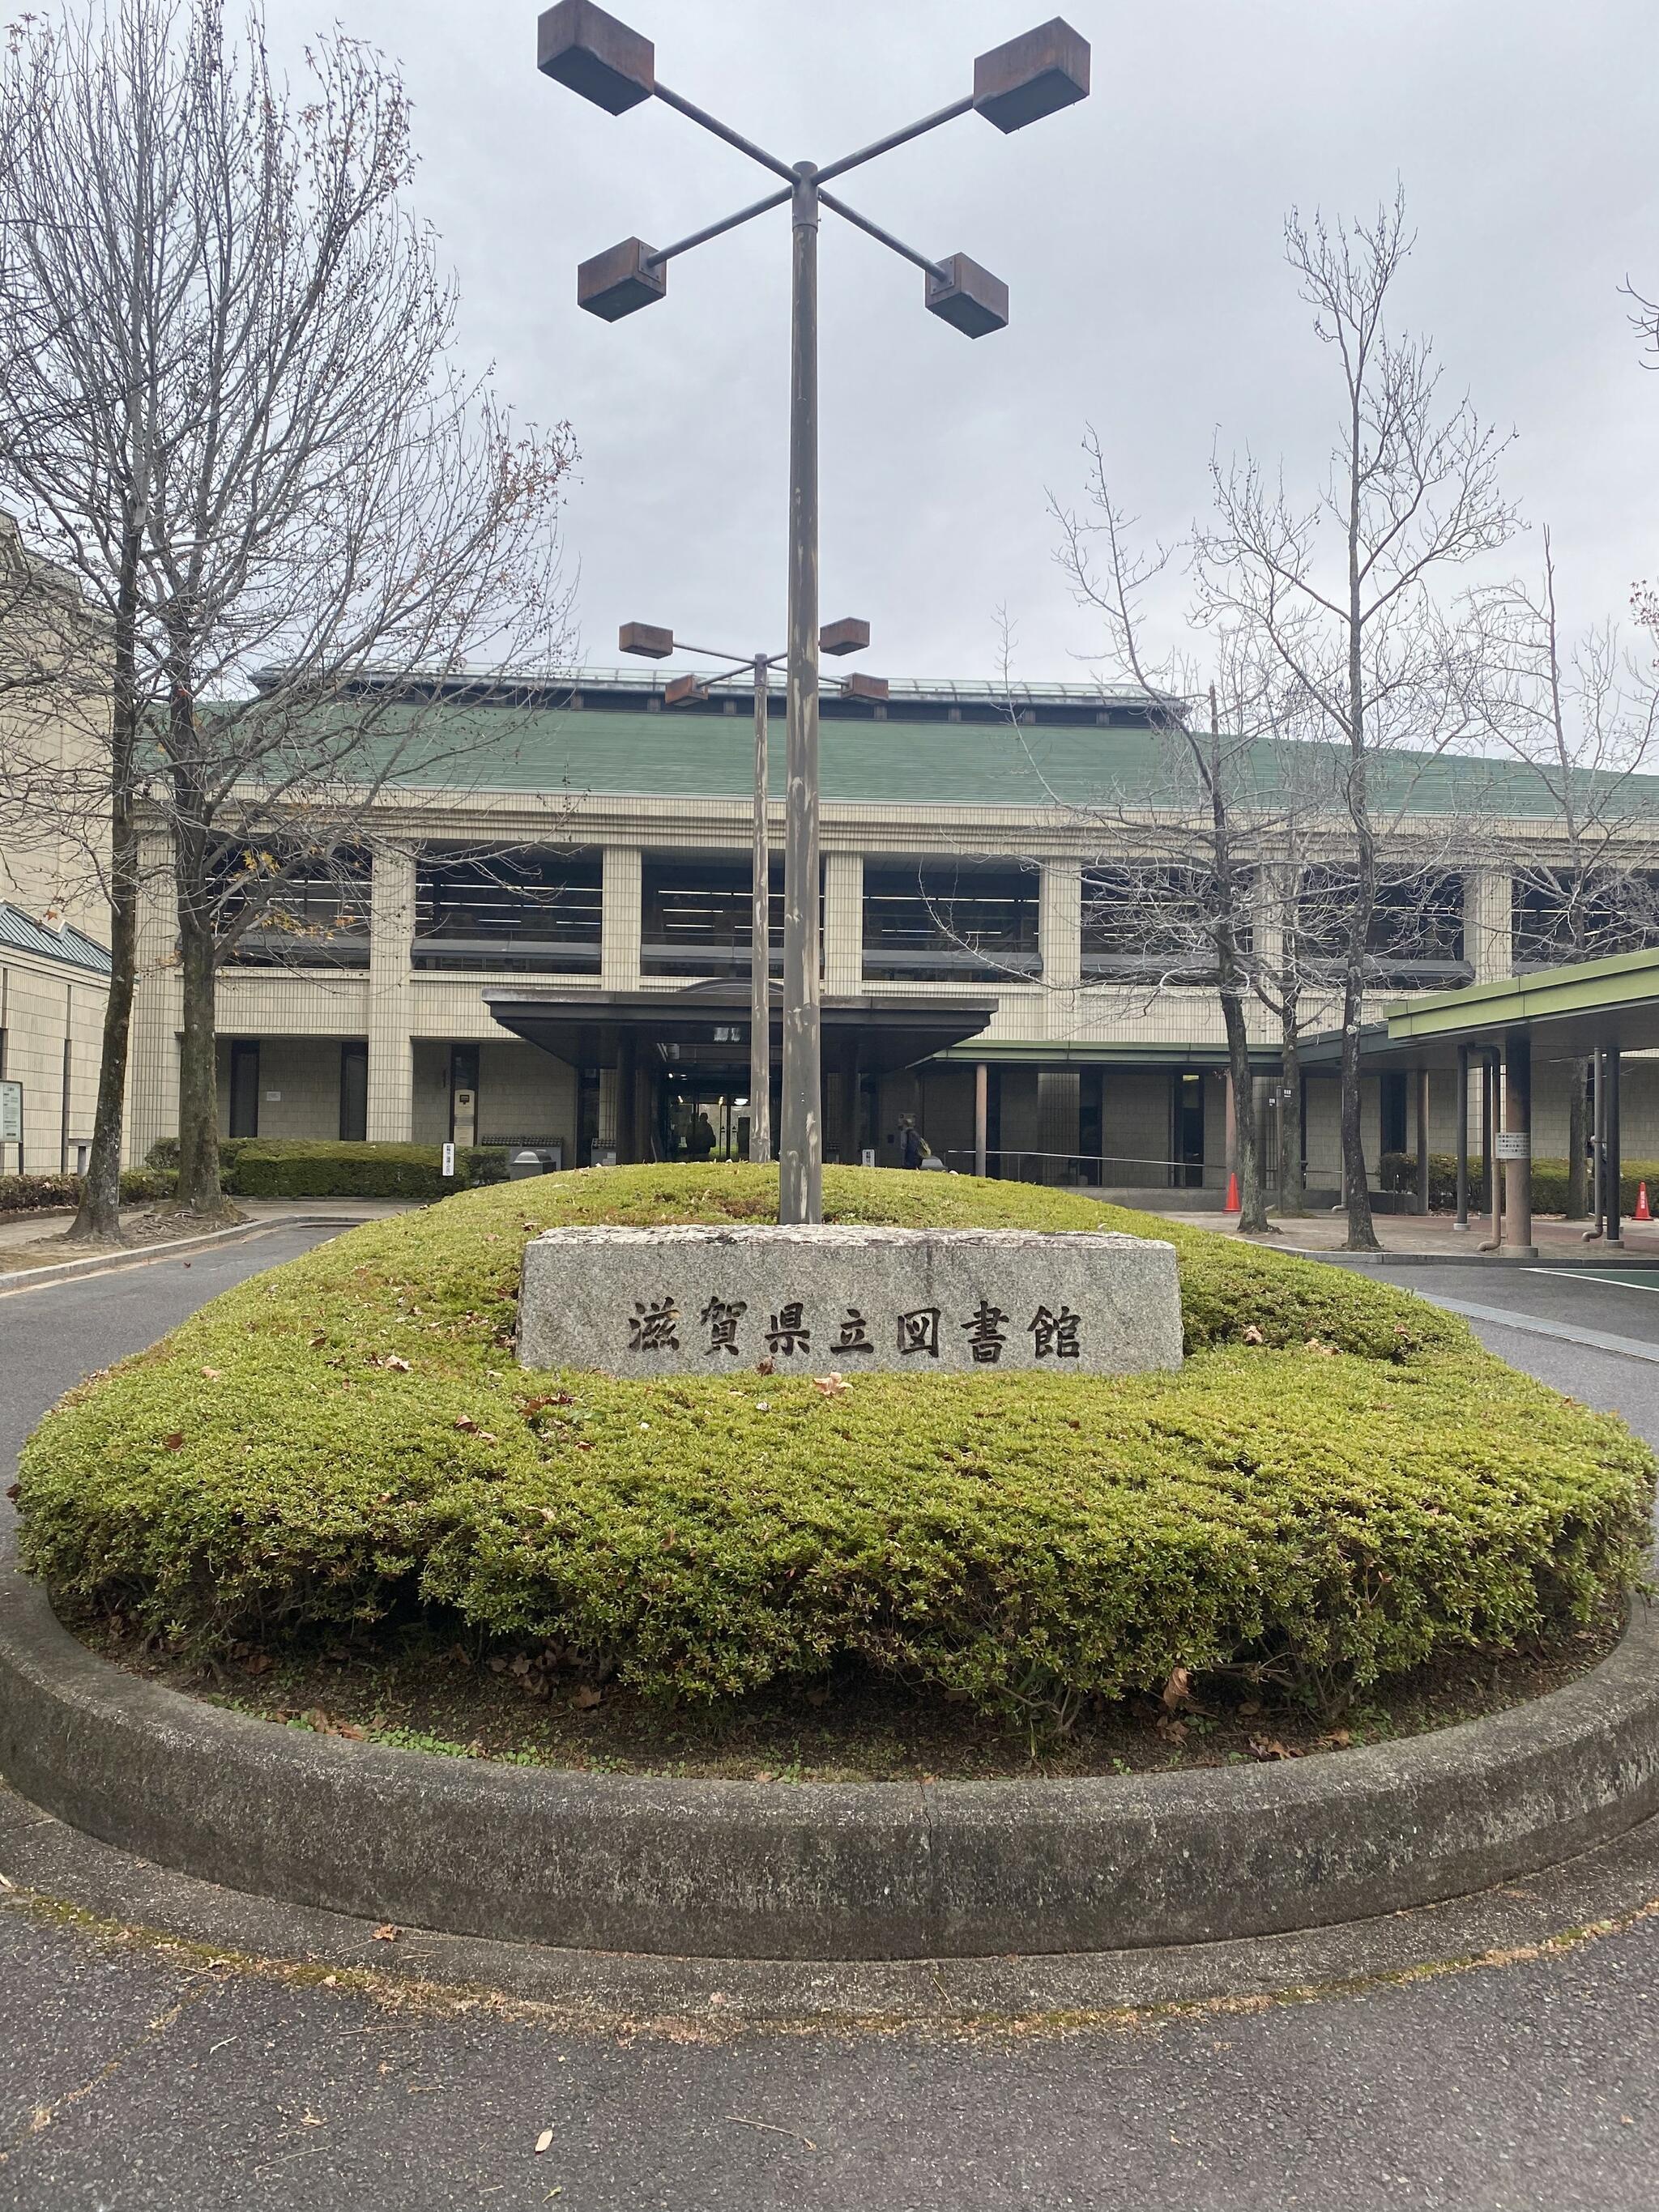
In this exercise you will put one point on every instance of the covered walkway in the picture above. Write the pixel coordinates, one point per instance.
(1598, 1011)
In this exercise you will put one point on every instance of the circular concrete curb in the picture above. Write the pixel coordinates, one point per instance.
(822, 1871)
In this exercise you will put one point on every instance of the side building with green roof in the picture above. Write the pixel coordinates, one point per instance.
(548, 945)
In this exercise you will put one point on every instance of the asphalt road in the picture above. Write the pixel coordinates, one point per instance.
(131, 2079)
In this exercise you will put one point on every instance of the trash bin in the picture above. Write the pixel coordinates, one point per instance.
(534, 1160)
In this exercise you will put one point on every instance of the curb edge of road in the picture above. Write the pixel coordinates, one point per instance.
(810, 1872)
(142, 1255)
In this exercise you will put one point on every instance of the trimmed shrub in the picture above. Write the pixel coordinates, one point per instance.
(49, 1193)
(1549, 1180)
(261, 1167)
(349, 1436)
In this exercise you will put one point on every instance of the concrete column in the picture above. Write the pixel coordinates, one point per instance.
(620, 917)
(1517, 1125)
(1058, 1101)
(1487, 893)
(1060, 922)
(843, 925)
(1423, 1140)
(628, 1140)
(981, 1116)
(152, 1110)
(390, 1118)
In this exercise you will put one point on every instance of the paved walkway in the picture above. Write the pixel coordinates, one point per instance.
(137, 2077)
(1412, 1234)
(19, 1231)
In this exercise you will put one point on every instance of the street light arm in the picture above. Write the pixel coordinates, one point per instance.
(963, 106)
(718, 229)
(723, 131)
(885, 237)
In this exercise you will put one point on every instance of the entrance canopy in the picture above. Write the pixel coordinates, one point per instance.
(706, 1026)
(1596, 1013)
(1568, 1013)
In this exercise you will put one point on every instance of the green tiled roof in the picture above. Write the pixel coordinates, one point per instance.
(904, 763)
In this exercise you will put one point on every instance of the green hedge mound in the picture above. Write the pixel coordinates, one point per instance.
(1342, 1485)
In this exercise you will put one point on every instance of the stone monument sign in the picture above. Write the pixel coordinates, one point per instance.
(681, 1300)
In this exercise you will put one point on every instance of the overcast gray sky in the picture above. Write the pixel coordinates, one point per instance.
(1141, 234)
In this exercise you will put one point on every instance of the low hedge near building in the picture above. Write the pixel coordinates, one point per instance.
(307, 1167)
(1342, 1485)
(1398, 1171)
(52, 1194)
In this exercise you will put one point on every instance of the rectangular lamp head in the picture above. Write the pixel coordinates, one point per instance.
(620, 281)
(581, 46)
(1033, 76)
(970, 298)
(843, 637)
(864, 687)
(681, 689)
(649, 643)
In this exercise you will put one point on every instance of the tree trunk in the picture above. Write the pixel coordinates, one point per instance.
(1362, 1235)
(1292, 1188)
(198, 1085)
(1577, 1180)
(98, 1217)
(1252, 1201)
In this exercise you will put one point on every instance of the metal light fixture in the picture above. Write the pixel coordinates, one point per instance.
(647, 641)
(1015, 84)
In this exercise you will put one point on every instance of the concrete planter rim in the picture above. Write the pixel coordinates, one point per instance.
(819, 1869)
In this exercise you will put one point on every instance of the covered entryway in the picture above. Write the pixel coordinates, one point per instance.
(1598, 1011)
(673, 1054)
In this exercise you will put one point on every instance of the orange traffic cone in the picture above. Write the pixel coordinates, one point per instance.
(1233, 1207)
(1642, 1212)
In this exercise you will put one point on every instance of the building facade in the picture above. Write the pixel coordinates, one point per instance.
(553, 951)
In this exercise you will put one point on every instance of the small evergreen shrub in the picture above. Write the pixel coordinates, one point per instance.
(1341, 1482)
(263, 1167)
(1398, 1171)
(48, 1193)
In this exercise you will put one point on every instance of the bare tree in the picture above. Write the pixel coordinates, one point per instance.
(229, 406)
(1341, 593)
(1581, 716)
(1201, 836)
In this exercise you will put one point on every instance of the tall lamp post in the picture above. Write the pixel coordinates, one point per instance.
(1034, 75)
(651, 644)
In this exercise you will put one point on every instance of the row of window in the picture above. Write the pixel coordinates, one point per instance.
(541, 909)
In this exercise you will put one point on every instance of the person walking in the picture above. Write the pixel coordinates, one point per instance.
(912, 1145)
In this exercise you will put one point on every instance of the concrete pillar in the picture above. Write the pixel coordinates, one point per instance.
(1517, 1164)
(390, 1118)
(846, 1119)
(1487, 923)
(1060, 923)
(981, 1116)
(1059, 1103)
(620, 917)
(628, 1141)
(1423, 1140)
(843, 925)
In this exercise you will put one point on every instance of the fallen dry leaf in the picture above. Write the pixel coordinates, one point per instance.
(212, 1374)
(387, 1932)
(1252, 1335)
(1270, 1747)
(587, 1698)
(466, 1422)
(1177, 1690)
(831, 1385)
(544, 2140)
(175, 1441)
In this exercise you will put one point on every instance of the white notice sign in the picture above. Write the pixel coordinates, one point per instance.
(11, 1113)
(449, 1162)
(1512, 1144)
